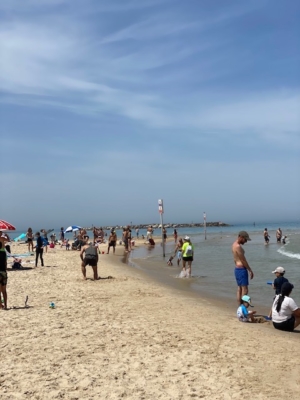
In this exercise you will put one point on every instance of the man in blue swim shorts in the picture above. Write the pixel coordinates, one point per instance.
(242, 267)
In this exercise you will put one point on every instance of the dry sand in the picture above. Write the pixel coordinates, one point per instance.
(130, 337)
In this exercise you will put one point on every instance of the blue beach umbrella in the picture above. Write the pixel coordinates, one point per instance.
(72, 228)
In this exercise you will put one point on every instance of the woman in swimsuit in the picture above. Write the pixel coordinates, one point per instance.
(29, 236)
(178, 251)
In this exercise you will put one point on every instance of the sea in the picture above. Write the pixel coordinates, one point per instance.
(213, 267)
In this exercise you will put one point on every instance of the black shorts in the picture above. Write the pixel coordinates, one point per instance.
(288, 325)
(3, 278)
(190, 258)
(112, 243)
(29, 240)
(90, 261)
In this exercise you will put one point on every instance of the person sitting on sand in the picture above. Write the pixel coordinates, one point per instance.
(242, 312)
(90, 253)
(277, 284)
(285, 312)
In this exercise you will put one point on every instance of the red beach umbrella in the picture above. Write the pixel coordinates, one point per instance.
(6, 226)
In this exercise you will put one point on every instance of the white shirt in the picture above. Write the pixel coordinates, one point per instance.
(287, 307)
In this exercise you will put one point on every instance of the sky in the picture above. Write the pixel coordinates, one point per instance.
(107, 106)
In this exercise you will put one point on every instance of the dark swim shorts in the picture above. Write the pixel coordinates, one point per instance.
(3, 278)
(287, 326)
(112, 243)
(241, 276)
(90, 261)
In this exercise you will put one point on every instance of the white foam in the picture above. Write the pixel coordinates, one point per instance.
(289, 254)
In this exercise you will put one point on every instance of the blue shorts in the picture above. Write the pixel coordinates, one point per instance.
(241, 276)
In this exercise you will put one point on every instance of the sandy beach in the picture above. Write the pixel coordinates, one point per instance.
(130, 337)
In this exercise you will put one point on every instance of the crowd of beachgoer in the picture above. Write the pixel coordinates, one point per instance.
(285, 314)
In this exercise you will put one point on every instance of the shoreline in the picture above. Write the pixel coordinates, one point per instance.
(131, 337)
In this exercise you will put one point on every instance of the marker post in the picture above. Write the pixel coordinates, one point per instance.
(161, 211)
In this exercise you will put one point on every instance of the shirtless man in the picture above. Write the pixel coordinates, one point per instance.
(90, 258)
(241, 266)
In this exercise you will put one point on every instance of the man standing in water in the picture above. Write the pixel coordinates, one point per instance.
(241, 266)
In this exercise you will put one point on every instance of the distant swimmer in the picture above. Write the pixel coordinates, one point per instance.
(242, 267)
(266, 236)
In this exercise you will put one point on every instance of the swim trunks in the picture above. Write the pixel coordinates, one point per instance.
(179, 254)
(90, 261)
(241, 276)
(3, 278)
(112, 243)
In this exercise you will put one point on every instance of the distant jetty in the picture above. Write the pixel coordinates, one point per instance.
(155, 226)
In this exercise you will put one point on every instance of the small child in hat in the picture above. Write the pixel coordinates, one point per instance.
(242, 312)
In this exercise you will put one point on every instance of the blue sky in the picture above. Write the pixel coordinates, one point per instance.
(107, 106)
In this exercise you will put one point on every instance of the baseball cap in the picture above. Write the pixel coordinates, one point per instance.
(247, 299)
(187, 238)
(244, 235)
(280, 270)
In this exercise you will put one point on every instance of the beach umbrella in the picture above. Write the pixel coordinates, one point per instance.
(73, 228)
(6, 226)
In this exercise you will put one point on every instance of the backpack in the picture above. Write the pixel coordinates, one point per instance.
(189, 250)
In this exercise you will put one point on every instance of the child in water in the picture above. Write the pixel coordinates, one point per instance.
(242, 312)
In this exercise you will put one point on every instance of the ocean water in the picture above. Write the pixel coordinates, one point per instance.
(213, 267)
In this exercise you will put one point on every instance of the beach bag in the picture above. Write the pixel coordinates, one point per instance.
(189, 251)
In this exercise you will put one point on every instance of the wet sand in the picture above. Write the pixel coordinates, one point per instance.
(131, 337)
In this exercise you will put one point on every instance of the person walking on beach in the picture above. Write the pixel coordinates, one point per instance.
(137, 231)
(3, 275)
(242, 267)
(29, 236)
(175, 235)
(112, 240)
(39, 249)
(187, 257)
(90, 258)
(62, 234)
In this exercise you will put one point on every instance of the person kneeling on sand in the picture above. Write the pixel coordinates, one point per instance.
(242, 312)
(90, 253)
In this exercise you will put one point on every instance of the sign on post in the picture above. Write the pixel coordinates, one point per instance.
(161, 211)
